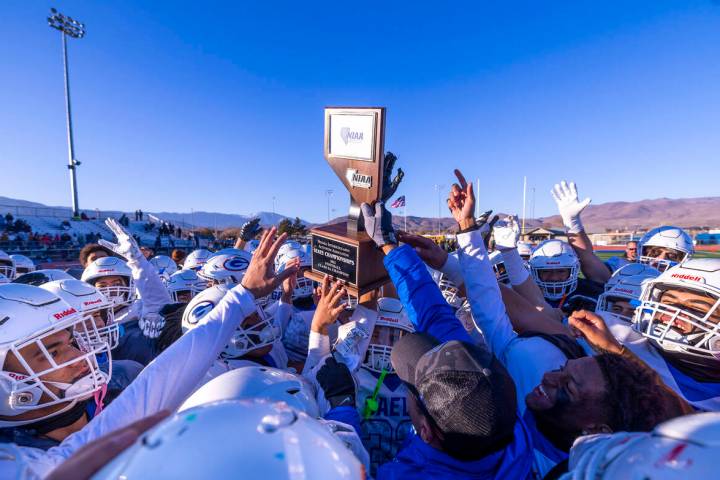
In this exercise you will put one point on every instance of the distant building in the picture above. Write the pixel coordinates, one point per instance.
(708, 238)
(540, 234)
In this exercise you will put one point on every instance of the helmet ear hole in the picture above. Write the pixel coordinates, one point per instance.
(293, 391)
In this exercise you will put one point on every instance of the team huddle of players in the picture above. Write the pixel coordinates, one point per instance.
(513, 360)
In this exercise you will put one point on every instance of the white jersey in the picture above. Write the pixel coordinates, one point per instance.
(701, 395)
(295, 326)
(384, 431)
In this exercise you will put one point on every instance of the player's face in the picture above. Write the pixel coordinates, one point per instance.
(111, 281)
(664, 253)
(554, 275)
(620, 307)
(688, 302)
(61, 348)
(570, 398)
(631, 251)
(385, 335)
(183, 296)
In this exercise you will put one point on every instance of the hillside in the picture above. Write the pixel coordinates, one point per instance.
(685, 212)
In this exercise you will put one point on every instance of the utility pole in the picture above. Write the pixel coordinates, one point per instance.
(74, 29)
(438, 188)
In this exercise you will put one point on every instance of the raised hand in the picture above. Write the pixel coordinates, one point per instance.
(289, 284)
(328, 305)
(378, 224)
(390, 186)
(337, 383)
(566, 198)
(260, 278)
(250, 229)
(506, 233)
(126, 247)
(429, 251)
(461, 202)
(593, 328)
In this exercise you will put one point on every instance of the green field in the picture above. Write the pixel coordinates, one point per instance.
(605, 255)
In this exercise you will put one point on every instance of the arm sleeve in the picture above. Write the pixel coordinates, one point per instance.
(483, 292)
(427, 309)
(282, 314)
(171, 377)
(452, 270)
(152, 291)
(318, 348)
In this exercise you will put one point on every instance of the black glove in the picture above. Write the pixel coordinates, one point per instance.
(378, 224)
(337, 383)
(390, 186)
(250, 229)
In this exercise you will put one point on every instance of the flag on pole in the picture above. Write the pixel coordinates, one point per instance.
(400, 202)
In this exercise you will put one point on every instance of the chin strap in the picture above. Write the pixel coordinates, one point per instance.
(99, 398)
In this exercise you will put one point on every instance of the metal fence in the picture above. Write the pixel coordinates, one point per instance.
(55, 212)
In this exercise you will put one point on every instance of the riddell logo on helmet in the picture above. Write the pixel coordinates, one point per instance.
(552, 263)
(16, 376)
(64, 313)
(92, 302)
(685, 276)
(624, 290)
(388, 319)
(104, 270)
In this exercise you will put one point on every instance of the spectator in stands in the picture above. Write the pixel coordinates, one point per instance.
(83, 216)
(631, 251)
(178, 232)
(9, 218)
(140, 213)
(91, 252)
(178, 257)
(148, 252)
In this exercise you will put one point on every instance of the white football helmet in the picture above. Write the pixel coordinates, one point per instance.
(225, 269)
(450, 291)
(665, 319)
(7, 265)
(622, 291)
(674, 239)
(165, 266)
(197, 258)
(524, 249)
(30, 316)
(245, 339)
(184, 285)
(257, 381)
(38, 277)
(120, 295)
(252, 245)
(553, 255)
(289, 251)
(391, 324)
(680, 449)
(93, 305)
(22, 264)
(237, 438)
(499, 267)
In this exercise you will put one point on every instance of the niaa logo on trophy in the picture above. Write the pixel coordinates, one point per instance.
(350, 136)
(357, 179)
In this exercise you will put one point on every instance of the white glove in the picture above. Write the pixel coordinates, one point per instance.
(566, 197)
(152, 324)
(126, 247)
(506, 233)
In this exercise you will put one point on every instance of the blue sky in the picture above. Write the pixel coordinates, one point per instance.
(218, 105)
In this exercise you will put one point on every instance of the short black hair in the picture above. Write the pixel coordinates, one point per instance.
(91, 248)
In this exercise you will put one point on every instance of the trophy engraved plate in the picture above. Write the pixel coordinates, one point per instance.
(354, 147)
(336, 258)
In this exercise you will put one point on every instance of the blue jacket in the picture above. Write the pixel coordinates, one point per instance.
(430, 313)
(134, 345)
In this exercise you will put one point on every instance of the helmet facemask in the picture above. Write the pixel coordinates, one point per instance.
(649, 255)
(377, 356)
(7, 268)
(450, 292)
(556, 289)
(617, 304)
(119, 295)
(689, 326)
(255, 332)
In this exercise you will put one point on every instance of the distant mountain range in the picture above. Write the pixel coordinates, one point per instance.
(687, 212)
(683, 212)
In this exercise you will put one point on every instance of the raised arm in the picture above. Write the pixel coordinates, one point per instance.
(426, 307)
(570, 208)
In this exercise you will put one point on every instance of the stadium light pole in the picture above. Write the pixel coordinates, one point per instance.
(68, 27)
(437, 190)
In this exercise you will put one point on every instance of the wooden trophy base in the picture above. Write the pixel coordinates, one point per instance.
(349, 256)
